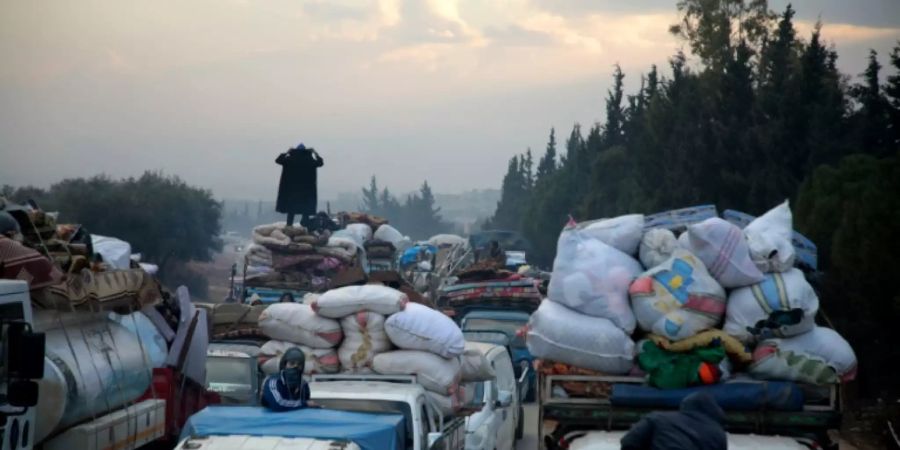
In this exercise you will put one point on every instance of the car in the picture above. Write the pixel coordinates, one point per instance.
(500, 421)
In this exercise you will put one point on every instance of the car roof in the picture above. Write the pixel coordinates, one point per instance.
(497, 314)
(217, 353)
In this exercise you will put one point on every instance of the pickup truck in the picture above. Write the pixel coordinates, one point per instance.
(572, 405)
(509, 322)
(375, 412)
(232, 372)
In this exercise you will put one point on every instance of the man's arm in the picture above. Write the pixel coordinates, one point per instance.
(319, 161)
(281, 159)
(639, 436)
(273, 399)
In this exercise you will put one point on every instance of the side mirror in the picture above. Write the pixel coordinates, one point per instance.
(504, 399)
(22, 393)
(25, 352)
(434, 437)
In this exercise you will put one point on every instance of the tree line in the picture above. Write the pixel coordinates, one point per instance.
(164, 219)
(416, 216)
(766, 116)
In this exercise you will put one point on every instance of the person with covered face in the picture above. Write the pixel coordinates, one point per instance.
(697, 425)
(286, 390)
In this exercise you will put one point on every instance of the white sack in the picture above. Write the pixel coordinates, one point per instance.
(769, 238)
(434, 373)
(723, 249)
(389, 234)
(678, 298)
(318, 360)
(474, 365)
(820, 356)
(560, 334)
(419, 327)
(341, 302)
(115, 252)
(449, 405)
(364, 338)
(593, 278)
(441, 240)
(623, 233)
(657, 246)
(777, 293)
(361, 232)
(297, 323)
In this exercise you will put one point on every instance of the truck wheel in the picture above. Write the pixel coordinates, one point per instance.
(520, 426)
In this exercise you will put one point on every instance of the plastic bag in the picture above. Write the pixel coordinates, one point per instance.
(419, 327)
(388, 233)
(723, 249)
(657, 246)
(593, 278)
(782, 305)
(622, 233)
(820, 356)
(560, 334)
(769, 238)
(678, 298)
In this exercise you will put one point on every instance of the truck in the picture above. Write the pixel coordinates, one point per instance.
(233, 373)
(92, 389)
(375, 412)
(571, 406)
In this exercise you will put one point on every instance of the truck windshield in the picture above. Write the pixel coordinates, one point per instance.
(373, 406)
(510, 327)
(220, 370)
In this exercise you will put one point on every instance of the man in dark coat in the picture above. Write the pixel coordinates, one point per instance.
(297, 187)
(698, 425)
(286, 390)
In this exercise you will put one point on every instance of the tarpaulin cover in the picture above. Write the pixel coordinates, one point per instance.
(734, 396)
(371, 431)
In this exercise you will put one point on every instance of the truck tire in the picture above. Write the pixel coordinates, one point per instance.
(520, 425)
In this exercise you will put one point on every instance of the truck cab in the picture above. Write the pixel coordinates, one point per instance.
(233, 373)
(509, 322)
(426, 427)
(500, 421)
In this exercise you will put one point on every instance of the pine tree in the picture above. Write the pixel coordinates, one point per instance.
(547, 165)
(872, 117)
(892, 91)
(370, 197)
(615, 116)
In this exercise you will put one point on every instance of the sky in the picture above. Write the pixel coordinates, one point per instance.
(408, 90)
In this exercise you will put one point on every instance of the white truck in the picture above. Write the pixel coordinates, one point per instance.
(424, 427)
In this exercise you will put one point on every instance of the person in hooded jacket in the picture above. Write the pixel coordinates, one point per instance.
(286, 390)
(697, 425)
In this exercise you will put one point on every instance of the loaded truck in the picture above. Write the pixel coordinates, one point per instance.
(597, 410)
(370, 412)
(98, 383)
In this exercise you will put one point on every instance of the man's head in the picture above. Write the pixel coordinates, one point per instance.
(9, 226)
(292, 363)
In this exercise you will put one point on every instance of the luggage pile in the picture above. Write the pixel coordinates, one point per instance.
(628, 297)
(374, 329)
(294, 259)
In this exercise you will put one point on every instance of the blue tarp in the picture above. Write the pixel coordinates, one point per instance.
(734, 396)
(408, 258)
(371, 431)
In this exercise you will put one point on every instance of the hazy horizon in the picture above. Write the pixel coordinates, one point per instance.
(443, 90)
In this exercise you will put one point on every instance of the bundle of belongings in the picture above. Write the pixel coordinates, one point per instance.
(62, 271)
(375, 329)
(295, 259)
(723, 301)
(484, 283)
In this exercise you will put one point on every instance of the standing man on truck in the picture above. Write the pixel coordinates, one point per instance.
(698, 425)
(286, 390)
(297, 192)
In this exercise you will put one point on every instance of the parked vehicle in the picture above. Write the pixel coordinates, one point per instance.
(509, 322)
(500, 422)
(374, 412)
(232, 372)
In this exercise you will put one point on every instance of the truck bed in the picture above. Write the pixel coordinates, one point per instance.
(585, 402)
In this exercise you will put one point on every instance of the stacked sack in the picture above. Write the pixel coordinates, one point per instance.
(376, 329)
(289, 257)
(586, 320)
(711, 301)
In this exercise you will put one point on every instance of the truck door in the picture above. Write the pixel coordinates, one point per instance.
(508, 414)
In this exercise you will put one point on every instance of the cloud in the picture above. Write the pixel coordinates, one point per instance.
(846, 33)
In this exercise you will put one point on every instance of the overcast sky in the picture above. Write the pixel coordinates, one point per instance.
(444, 90)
